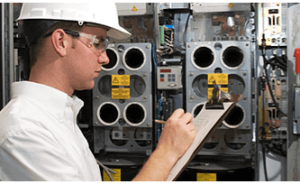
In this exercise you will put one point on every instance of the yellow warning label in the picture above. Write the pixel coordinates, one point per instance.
(134, 8)
(120, 93)
(230, 5)
(206, 176)
(220, 78)
(210, 90)
(120, 80)
(116, 177)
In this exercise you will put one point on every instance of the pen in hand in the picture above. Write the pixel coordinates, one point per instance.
(159, 121)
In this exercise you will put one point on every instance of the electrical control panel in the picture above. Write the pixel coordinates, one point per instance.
(169, 77)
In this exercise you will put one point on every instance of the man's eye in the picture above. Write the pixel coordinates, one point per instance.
(97, 45)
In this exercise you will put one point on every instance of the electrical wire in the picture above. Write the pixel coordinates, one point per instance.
(169, 44)
(284, 153)
(263, 134)
(158, 117)
(153, 55)
(263, 130)
(252, 4)
(270, 89)
(264, 159)
(277, 149)
(185, 30)
(280, 62)
(107, 170)
(154, 40)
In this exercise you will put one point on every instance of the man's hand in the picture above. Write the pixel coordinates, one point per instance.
(177, 136)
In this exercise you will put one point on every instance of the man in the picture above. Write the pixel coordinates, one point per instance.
(39, 137)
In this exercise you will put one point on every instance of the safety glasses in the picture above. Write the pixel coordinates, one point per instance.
(96, 44)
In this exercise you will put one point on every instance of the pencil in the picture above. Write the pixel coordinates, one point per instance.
(159, 121)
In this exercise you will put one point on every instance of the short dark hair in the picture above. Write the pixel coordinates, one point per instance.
(37, 46)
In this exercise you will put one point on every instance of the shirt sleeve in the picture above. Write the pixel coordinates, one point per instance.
(34, 154)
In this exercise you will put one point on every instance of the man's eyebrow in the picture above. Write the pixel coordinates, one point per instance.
(102, 38)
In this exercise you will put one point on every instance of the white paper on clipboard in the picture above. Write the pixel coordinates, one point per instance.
(204, 122)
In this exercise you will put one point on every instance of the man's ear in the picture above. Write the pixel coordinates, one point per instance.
(59, 42)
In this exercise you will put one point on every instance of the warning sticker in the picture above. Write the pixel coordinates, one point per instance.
(206, 176)
(220, 78)
(230, 5)
(120, 80)
(134, 8)
(116, 177)
(120, 93)
(210, 90)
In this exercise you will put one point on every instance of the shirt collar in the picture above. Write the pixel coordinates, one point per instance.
(54, 100)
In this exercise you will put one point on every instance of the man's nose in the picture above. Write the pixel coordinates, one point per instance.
(103, 58)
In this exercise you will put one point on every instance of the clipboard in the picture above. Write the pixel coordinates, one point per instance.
(206, 122)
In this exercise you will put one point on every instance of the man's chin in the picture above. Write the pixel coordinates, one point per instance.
(86, 87)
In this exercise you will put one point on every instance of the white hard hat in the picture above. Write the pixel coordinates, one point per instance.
(96, 12)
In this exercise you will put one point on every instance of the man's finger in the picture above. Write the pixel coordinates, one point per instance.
(187, 117)
(177, 114)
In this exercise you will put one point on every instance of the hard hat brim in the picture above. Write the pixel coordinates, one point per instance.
(118, 33)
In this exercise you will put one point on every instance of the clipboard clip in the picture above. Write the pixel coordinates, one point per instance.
(217, 99)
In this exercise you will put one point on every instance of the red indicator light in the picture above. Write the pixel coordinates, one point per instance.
(165, 70)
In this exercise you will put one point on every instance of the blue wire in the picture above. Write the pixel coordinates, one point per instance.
(158, 115)
(159, 101)
(153, 55)
(153, 44)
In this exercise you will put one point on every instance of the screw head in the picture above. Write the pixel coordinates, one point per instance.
(191, 97)
(191, 74)
(147, 47)
(145, 97)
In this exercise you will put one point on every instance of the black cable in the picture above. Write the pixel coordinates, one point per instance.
(281, 61)
(263, 133)
(284, 57)
(276, 64)
(277, 61)
(280, 148)
(186, 25)
(264, 160)
(270, 89)
(283, 151)
(274, 149)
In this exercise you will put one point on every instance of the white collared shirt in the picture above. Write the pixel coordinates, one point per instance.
(39, 137)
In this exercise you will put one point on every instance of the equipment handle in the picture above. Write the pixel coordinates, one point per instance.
(297, 64)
